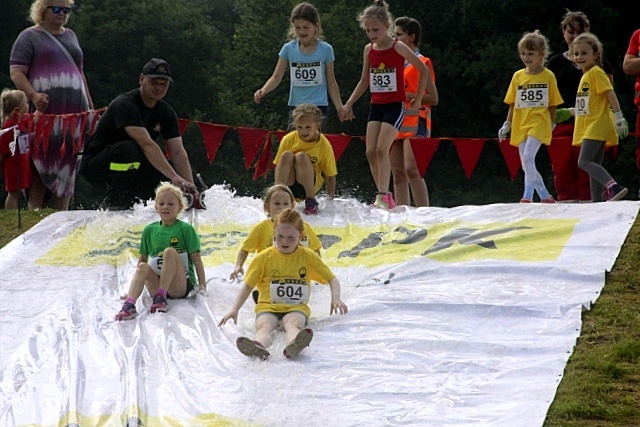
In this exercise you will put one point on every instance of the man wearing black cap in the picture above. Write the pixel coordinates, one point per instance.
(123, 155)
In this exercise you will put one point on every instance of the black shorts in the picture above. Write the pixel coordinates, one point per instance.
(422, 127)
(392, 113)
(186, 293)
(298, 190)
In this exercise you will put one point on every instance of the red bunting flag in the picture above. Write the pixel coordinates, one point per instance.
(339, 144)
(511, 157)
(95, 116)
(280, 134)
(265, 162)
(212, 136)
(251, 140)
(182, 125)
(468, 150)
(80, 133)
(423, 151)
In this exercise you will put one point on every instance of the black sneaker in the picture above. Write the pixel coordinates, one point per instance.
(617, 192)
(310, 206)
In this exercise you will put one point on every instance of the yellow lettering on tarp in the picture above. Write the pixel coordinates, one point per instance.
(527, 240)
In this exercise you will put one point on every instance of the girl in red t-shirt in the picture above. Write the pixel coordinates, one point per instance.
(383, 74)
(14, 146)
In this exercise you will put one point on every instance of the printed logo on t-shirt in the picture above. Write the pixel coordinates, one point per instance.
(174, 241)
(302, 272)
(157, 127)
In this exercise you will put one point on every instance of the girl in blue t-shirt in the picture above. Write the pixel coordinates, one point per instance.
(310, 61)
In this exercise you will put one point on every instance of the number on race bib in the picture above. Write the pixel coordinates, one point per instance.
(306, 74)
(382, 80)
(289, 291)
(532, 95)
(582, 105)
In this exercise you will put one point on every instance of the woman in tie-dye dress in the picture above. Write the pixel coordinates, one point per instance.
(54, 82)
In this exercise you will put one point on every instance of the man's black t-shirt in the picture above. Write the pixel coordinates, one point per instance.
(129, 110)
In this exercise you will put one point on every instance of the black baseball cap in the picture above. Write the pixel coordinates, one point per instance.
(157, 67)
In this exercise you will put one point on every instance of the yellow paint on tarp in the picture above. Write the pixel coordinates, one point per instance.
(526, 240)
(75, 419)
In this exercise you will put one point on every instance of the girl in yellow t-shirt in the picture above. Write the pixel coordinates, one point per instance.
(533, 97)
(596, 127)
(282, 274)
(276, 199)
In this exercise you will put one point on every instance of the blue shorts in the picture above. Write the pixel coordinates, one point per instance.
(387, 113)
(422, 127)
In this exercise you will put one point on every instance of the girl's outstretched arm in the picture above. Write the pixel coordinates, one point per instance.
(336, 303)
(237, 270)
(361, 87)
(332, 87)
(242, 296)
(413, 59)
(197, 262)
(273, 81)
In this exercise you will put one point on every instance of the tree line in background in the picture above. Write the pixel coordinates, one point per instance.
(222, 51)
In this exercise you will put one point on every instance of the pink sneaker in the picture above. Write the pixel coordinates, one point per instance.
(159, 304)
(549, 199)
(388, 198)
(523, 200)
(127, 312)
(385, 201)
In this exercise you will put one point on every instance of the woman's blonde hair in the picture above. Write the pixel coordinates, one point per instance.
(10, 99)
(39, 8)
(170, 188)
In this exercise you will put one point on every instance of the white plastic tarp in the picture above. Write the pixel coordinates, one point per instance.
(457, 317)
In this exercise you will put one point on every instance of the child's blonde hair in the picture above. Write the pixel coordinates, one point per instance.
(290, 216)
(378, 10)
(307, 110)
(10, 99)
(308, 12)
(169, 187)
(536, 42)
(268, 194)
(591, 40)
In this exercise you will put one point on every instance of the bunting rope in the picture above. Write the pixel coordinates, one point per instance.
(257, 143)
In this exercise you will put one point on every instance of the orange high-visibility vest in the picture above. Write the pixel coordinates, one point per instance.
(410, 123)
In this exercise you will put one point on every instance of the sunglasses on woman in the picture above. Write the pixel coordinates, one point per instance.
(58, 9)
